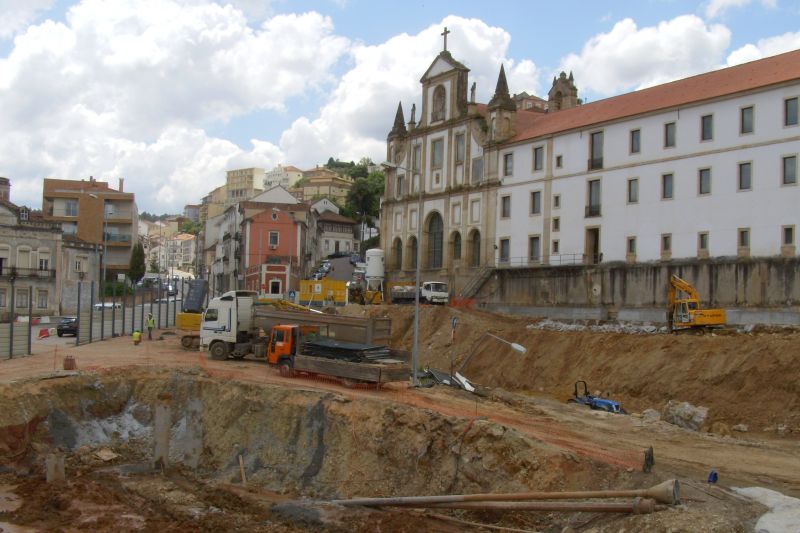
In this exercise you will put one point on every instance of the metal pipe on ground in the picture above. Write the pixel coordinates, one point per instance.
(636, 506)
(667, 492)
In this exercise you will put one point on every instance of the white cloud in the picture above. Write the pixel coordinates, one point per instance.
(16, 15)
(717, 8)
(358, 116)
(114, 88)
(765, 48)
(630, 57)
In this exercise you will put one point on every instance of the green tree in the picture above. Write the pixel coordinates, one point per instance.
(153, 265)
(363, 199)
(190, 227)
(136, 266)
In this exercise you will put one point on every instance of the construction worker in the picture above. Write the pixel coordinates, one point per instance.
(150, 323)
(137, 337)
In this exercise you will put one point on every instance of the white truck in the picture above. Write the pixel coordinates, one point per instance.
(347, 348)
(432, 292)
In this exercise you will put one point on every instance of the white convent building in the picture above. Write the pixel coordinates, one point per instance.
(699, 168)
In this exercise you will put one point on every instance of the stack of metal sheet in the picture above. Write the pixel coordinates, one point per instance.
(346, 351)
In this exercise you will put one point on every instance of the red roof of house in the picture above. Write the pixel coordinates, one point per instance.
(330, 216)
(719, 83)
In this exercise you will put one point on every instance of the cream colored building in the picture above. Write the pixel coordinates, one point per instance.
(284, 176)
(242, 184)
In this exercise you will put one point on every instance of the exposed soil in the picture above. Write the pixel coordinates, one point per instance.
(303, 441)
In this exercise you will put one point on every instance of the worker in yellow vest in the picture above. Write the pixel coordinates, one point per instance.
(150, 323)
(137, 337)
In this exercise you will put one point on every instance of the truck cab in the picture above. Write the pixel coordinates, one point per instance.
(228, 321)
(435, 292)
(282, 346)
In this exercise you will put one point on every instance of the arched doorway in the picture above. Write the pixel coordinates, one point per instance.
(475, 249)
(435, 240)
(455, 251)
(412, 252)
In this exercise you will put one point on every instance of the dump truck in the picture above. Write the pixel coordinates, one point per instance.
(687, 313)
(349, 349)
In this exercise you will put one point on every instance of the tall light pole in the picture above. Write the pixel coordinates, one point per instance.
(415, 349)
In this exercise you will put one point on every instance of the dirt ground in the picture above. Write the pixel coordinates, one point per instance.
(522, 436)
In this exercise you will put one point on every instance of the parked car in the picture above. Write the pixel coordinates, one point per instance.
(354, 258)
(67, 326)
(172, 289)
(99, 306)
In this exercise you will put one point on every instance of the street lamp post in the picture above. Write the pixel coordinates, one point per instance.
(415, 349)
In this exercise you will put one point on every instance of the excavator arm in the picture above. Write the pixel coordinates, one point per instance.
(677, 284)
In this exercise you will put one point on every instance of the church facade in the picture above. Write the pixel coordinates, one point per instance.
(696, 169)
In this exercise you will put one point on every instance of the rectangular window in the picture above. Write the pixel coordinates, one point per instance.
(788, 235)
(746, 120)
(273, 238)
(559, 161)
(633, 190)
(538, 158)
(22, 298)
(460, 148)
(534, 249)
(211, 315)
(635, 141)
(669, 135)
(702, 241)
(593, 198)
(416, 159)
(744, 238)
(438, 154)
(631, 245)
(477, 169)
(666, 187)
(556, 247)
(327, 244)
(556, 201)
(556, 224)
(706, 127)
(2, 297)
(508, 164)
(505, 250)
(704, 181)
(745, 176)
(666, 243)
(790, 112)
(78, 265)
(475, 211)
(41, 299)
(44, 263)
(790, 170)
(505, 207)
(456, 214)
(400, 191)
(596, 151)
(71, 208)
(536, 202)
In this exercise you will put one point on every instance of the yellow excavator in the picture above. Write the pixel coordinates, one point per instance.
(687, 313)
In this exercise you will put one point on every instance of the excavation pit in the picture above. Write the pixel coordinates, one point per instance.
(246, 455)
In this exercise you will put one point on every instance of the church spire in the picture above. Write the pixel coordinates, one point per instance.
(399, 128)
(501, 98)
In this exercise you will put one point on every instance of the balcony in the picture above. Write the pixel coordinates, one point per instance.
(592, 211)
(7, 272)
(595, 163)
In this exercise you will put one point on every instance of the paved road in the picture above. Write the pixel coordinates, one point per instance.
(342, 269)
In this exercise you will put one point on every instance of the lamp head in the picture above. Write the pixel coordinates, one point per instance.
(518, 347)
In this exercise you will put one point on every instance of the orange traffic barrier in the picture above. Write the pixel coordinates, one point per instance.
(44, 333)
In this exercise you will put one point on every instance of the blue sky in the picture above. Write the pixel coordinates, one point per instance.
(169, 94)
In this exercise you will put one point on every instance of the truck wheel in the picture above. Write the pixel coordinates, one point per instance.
(219, 351)
(186, 342)
(286, 371)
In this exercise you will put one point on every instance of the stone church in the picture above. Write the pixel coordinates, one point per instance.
(443, 187)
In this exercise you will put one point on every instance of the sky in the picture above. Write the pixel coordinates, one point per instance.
(169, 94)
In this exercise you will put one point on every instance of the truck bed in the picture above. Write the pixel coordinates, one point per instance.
(377, 373)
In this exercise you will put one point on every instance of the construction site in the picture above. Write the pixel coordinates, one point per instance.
(156, 437)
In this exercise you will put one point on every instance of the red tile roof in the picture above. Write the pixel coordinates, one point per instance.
(330, 216)
(719, 83)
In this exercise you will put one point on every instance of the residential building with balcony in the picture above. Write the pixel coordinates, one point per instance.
(337, 234)
(95, 213)
(242, 184)
(322, 182)
(283, 176)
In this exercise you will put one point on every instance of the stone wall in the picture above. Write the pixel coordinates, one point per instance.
(759, 287)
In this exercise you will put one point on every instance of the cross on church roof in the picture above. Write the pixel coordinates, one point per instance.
(444, 33)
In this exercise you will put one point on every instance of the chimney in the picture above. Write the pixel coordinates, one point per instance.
(121, 183)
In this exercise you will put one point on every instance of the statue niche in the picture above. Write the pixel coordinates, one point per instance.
(439, 95)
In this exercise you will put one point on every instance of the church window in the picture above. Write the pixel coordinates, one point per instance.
(438, 153)
(477, 169)
(460, 148)
(508, 164)
(416, 158)
(476, 249)
(538, 158)
(438, 103)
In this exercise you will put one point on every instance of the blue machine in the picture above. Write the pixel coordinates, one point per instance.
(601, 404)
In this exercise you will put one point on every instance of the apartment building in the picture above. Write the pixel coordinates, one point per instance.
(95, 213)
